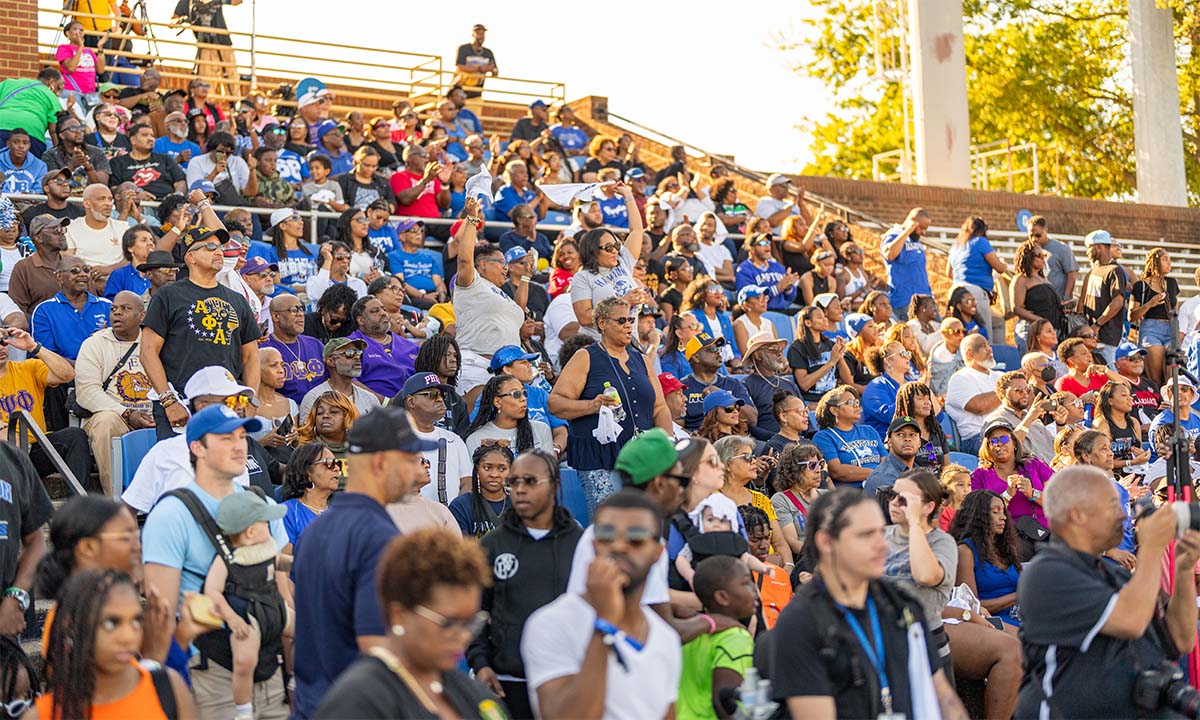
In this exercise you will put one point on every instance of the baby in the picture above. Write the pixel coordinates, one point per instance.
(244, 593)
(715, 513)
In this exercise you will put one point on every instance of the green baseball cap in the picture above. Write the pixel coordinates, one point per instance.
(647, 456)
(242, 509)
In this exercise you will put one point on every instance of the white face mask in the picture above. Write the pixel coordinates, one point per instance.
(229, 263)
(988, 364)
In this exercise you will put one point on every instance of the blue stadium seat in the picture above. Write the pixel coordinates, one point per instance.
(1007, 357)
(553, 217)
(950, 429)
(967, 460)
(127, 453)
(570, 495)
(783, 325)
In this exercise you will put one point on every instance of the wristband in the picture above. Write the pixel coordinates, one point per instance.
(712, 624)
(604, 627)
(22, 597)
(36, 349)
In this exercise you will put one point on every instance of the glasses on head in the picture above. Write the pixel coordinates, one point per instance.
(513, 481)
(1000, 440)
(823, 256)
(518, 394)
(331, 464)
(635, 537)
(494, 442)
(234, 402)
(471, 625)
(210, 246)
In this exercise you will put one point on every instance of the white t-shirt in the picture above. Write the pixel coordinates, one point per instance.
(8, 260)
(964, 385)
(559, 314)
(97, 247)
(609, 282)
(165, 468)
(714, 257)
(927, 341)
(656, 591)
(458, 464)
(555, 641)
(363, 399)
(768, 206)
(487, 318)
(542, 438)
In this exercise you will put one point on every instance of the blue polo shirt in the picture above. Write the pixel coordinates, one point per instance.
(61, 328)
(336, 597)
(165, 146)
(906, 275)
(128, 278)
(508, 198)
(385, 369)
(693, 391)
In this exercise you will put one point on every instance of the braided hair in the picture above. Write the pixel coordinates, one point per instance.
(12, 659)
(488, 412)
(70, 658)
(80, 517)
(477, 500)
(429, 357)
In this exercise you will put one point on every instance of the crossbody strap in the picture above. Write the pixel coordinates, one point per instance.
(441, 471)
(120, 363)
(166, 693)
(206, 522)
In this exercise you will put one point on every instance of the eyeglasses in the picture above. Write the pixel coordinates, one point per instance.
(349, 354)
(295, 310)
(233, 402)
(529, 481)
(1002, 440)
(743, 456)
(1087, 336)
(610, 247)
(621, 319)
(210, 246)
(471, 625)
(331, 464)
(514, 394)
(492, 259)
(852, 402)
(360, 219)
(71, 128)
(77, 270)
(814, 465)
(635, 537)
(434, 395)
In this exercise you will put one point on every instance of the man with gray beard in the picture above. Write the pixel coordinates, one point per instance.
(768, 375)
(343, 366)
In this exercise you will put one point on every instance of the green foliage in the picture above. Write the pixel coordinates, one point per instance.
(1051, 72)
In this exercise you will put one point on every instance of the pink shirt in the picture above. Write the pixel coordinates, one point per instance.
(1038, 473)
(84, 78)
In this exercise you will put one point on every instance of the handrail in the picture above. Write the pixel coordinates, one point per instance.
(20, 425)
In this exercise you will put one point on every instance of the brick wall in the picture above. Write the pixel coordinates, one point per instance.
(890, 202)
(18, 42)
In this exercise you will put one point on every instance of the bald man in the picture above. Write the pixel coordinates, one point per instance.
(1087, 626)
(110, 382)
(96, 237)
(303, 356)
(971, 392)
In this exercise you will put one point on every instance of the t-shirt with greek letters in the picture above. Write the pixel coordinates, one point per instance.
(200, 327)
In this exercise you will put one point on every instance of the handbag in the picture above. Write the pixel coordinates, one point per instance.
(80, 411)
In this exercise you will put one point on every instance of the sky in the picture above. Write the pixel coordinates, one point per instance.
(710, 78)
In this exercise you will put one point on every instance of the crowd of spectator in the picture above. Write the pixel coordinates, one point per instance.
(686, 432)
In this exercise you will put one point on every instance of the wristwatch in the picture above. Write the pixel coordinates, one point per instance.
(22, 597)
(966, 616)
(1037, 496)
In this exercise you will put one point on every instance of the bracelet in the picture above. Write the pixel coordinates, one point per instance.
(167, 399)
(712, 624)
(36, 349)
(473, 221)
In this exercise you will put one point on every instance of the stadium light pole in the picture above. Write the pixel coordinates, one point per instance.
(253, 38)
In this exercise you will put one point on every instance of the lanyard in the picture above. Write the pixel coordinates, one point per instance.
(874, 652)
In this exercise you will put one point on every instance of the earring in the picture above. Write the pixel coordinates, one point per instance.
(310, 485)
(398, 630)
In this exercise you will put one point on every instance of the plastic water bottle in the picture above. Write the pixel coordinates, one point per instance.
(618, 409)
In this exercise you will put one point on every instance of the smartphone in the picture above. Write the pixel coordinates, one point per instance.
(996, 622)
(201, 608)
(285, 427)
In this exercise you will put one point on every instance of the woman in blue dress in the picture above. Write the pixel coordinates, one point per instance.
(311, 478)
(987, 555)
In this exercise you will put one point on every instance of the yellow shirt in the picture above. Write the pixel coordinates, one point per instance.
(23, 387)
(95, 7)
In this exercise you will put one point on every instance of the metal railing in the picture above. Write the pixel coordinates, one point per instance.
(20, 426)
(373, 76)
(996, 165)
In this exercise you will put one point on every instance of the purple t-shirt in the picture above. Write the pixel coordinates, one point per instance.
(385, 369)
(303, 365)
(1038, 473)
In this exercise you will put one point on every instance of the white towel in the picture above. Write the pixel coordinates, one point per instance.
(607, 429)
(479, 185)
(920, 681)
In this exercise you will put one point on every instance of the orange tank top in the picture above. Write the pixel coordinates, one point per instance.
(142, 703)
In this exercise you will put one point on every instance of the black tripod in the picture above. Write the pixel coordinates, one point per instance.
(1179, 472)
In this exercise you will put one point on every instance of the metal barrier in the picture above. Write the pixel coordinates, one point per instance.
(375, 75)
(20, 426)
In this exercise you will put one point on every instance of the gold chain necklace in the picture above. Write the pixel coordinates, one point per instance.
(393, 663)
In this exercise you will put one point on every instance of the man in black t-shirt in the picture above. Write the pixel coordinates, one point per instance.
(156, 174)
(24, 509)
(56, 185)
(472, 62)
(1103, 299)
(1087, 626)
(197, 322)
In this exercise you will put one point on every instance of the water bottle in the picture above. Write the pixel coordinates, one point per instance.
(618, 409)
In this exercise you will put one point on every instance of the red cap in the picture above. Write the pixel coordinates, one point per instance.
(669, 383)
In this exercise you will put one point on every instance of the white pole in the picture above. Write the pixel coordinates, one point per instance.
(1157, 133)
(253, 37)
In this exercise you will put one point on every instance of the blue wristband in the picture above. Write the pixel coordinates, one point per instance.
(604, 627)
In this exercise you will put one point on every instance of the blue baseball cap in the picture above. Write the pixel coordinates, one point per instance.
(539, 103)
(1097, 237)
(635, 174)
(423, 381)
(1125, 349)
(514, 254)
(751, 291)
(720, 399)
(218, 420)
(508, 355)
(205, 185)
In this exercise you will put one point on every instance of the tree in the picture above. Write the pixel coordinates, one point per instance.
(1055, 73)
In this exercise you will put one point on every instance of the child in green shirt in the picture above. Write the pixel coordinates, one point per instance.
(716, 661)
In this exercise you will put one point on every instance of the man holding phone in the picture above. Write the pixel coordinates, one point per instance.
(222, 168)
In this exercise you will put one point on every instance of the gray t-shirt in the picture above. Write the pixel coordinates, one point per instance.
(487, 318)
(363, 400)
(609, 282)
(787, 513)
(897, 567)
(1060, 262)
(542, 439)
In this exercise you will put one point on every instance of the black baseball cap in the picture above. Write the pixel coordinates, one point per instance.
(200, 234)
(903, 421)
(384, 429)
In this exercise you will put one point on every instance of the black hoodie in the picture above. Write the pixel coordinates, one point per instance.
(526, 574)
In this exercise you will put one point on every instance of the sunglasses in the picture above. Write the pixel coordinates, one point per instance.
(814, 465)
(743, 456)
(349, 354)
(891, 496)
(434, 395)
(906, 354)
(514, 394)
(277, 131)
(233, 402)
(1087, 336)
(78, 270)
(621, 320)
(331, 464)
(425, 463)
(1002, 440)
(683, 480)
(514, 481)
(852, 402)
(956, 331)
(762, 243)
(610, 247)
(16, 708)
(210, 246)
(635, 537)
(361, 219)
(471, 625)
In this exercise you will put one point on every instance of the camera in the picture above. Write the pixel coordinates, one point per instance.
(1163, 686)
(1187, 514)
